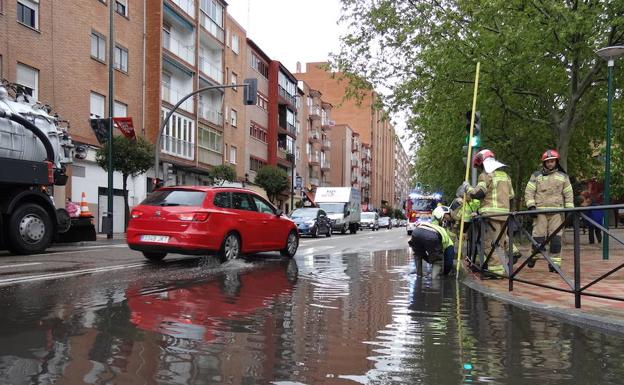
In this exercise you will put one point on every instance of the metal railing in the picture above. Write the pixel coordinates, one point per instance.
(211, 69)
(478, 255)
(284, 94)
(185, 52)
(212, 27)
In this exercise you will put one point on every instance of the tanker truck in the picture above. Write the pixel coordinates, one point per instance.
(35, 152)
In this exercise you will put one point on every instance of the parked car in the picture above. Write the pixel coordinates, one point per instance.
(394, 222)
(369, 220)
(385, 222)
(312, 221)
(199, 220)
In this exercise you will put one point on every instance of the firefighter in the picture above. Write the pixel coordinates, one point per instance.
(432, 242)
(549, 188)
(494, 191)
(466, 210)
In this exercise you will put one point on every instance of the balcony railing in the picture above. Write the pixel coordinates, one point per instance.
(314, 158)
(325, 165)
(213, 116)
(187, 6)
(315, 112)
(326, 144)
(314, 136)
(207, 156)
(292, 129)
(173, 96)
(177, 146)
(211, 69)
(184, 51)
(211, 26)
(284, 94)
(314, 181)
(355, 162)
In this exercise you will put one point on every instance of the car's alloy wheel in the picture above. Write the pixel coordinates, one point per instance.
(292, 243)
(231, 247)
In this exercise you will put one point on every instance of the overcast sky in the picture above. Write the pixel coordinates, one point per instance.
(290, 30)
(294, 30)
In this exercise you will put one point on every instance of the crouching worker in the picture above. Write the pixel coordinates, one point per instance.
(432, 243)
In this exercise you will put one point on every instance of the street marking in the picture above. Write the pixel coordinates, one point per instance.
(20, 265)
(33, 278)
(120, 245)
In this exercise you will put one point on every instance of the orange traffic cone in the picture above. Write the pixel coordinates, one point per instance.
(84, 208)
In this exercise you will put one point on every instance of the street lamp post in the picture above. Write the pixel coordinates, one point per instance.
(609, 54)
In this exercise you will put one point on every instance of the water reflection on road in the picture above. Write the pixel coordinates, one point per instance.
(322, 319)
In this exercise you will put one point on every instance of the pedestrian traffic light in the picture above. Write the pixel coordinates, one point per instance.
(250, 92)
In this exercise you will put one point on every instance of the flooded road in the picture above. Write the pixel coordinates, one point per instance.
(318, 319)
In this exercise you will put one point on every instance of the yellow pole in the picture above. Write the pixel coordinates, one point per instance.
(468, 164)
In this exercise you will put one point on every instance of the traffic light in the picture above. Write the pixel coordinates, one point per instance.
(250, 92)
(475, 141)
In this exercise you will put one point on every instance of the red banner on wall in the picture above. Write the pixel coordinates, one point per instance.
(125, 126)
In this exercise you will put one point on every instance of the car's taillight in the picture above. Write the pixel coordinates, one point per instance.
(136, 213)
(195, 217)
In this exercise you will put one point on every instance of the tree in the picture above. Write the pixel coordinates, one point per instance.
(273, 180)
(541, 85)
(222, 173)
(130, 158)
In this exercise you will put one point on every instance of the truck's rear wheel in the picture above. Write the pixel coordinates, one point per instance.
(30, 229)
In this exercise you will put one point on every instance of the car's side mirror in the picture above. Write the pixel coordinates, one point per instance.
(279, 212)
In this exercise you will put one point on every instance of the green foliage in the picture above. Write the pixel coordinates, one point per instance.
(222, 173)
(541, 85)
(130, 157)
(398, 214)
(273, 180)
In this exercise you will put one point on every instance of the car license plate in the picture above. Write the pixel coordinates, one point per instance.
(155, 238)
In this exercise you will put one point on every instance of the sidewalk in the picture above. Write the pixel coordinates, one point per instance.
(596, 312)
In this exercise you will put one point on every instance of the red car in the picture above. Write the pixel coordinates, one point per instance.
(201, 220)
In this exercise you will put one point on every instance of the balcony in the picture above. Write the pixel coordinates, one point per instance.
(325, 144)
(187, 6)
(314, 181)
(212, 27)
(177, 47)
(213, 70)
(326, 123)
(325, 165)
(314, 158)
(208, 156)
(286, 96)
(172, 96)
(355, 163)
(314, 136)
(210, 115)
(315, 112)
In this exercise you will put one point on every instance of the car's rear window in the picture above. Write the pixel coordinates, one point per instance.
(175, 198)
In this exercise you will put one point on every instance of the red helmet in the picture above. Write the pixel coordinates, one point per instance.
(550, 154)
(480, 156)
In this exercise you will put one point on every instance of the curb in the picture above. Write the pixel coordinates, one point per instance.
(571, 315)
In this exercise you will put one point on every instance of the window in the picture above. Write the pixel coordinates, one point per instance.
(28, 77)
(27, 13)
(210, 139)
(97, 105)
(235, 43)
(222, 200)
(233, 117)
(262, 205)
(242, 201)
(166, 35)
(233, 80)
(259, 65)
(178, 137)
(120, 110)
(232, 154)
(121, 7)
(121, 59)
(256, 164)
(258, 132)
(98, 46)
(262, 102)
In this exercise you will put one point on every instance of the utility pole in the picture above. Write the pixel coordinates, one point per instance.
(111, 98)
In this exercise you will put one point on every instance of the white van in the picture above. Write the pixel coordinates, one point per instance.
(342, 205)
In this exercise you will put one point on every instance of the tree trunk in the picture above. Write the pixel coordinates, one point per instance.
(563, 145)
(126, 208)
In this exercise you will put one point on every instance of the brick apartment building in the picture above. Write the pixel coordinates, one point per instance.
(376, 134)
